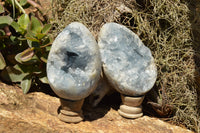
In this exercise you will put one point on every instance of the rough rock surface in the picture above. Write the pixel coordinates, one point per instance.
(74, 63)
(37, 112)
(127, 62)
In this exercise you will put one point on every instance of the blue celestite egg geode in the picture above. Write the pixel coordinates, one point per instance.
(74, 64)
(127, 62)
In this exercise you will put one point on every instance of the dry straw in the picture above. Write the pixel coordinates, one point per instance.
(163, 26)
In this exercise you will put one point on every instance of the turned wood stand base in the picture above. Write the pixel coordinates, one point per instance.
(131, 106)
(71, 111)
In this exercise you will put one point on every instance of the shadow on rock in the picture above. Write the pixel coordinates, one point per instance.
(93, 113)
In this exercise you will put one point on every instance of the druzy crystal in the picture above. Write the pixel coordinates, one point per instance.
(127, 62)
(74, 64)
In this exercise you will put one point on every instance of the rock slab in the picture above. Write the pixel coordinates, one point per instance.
(127, 62)
(74, 64)
(36, 112)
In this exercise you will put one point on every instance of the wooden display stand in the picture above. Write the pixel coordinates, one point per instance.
(131, 106)
(71, 111)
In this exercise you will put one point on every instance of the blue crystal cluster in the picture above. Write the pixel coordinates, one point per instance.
(74, 63)
(127, 62)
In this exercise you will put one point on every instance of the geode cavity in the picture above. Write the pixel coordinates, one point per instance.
(127, 62)
(74, 64)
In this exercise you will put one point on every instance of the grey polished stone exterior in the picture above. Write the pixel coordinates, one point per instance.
(127, 62)
(74, 64)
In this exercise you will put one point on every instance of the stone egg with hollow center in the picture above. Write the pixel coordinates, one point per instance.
(127, 62)
(74, 64)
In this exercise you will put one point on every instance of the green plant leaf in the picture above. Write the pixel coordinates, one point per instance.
(32, 39)
(37, 71)
(30, 34)
(26, 84)
(13, 38)
(5, 20)
(28, 61)
(29, 43)
(40, 35)
(36, 25)
(32, 61)
(46, 28)
(18, 58)
(2, 62)
(25, 56)
(43, 78)
(43, 59)
(2, 32)
(22, 2)
(48, 48)
(23, 21)
(13, 73)
(13, 6)
(21, 38)
(16, 26)
(1, 9)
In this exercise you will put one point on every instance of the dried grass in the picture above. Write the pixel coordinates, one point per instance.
(163, 26)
